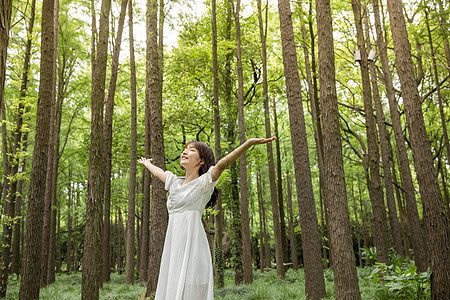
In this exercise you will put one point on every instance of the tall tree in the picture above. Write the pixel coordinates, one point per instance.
(435, 219)
(389, 188)
(270, 164)
(218, 249)
(5, 26)
(130, 246)
(12, 194)
(91, 277)
(154, 94)
(379, 222)
(415, 228)
(30, 279)
(291, 223)
(246, 244)
(312, 259)
(107, 136)
(47, 231)
(338, 223)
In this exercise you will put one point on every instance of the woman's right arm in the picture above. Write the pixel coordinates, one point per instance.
(156, 171)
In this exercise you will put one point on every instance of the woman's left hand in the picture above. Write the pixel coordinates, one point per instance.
(256, 141)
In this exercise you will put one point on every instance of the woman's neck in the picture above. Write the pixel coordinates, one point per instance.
(191, 175)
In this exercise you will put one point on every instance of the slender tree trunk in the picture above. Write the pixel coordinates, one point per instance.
(270, 164)
(69, 224)
(30, 279)
(15, 187)
(48, 265)
(312, 259)
(379, 222)
(145, 224)
(390, 199)
(130, 246)
(338, 223)
(435, 220)
(280, 185)
(246, 246)
(420, 256)
(5, 16)
(91, 277)
(291, 223)
(218, 251)
(119, 242)
(262, 234)
(107, 135)
(158, 208)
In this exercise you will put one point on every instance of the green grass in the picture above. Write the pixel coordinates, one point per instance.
(265, 286)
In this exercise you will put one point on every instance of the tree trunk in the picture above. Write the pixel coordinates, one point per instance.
(435, 220)
(119, 242)
(338, 223)
(130, 246)
(262, 234)
(279, 257)
(30, 279)
(53, 164)
(5, 26)
(91, 277)
(420, 256)
(218, 251)
(291, 223)
(69, 261)
(15, 187)
(107, 135)
(245, 223)
(390, 199)
(154, 93)
(379, 222)
(312, 259)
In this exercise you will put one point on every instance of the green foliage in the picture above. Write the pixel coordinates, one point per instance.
(68, 287)
(369, 254)
(402, 279)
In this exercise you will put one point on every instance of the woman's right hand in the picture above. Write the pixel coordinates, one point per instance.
(142, 160)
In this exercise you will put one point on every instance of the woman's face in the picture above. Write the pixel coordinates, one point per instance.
(190, 157)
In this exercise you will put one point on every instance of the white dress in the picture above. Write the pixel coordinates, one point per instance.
(186, 267)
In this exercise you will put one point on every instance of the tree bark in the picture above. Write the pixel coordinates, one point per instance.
(312, 259)
(154, 93)
(91, 277)
(30, 279)
(379, 222)
(435, 220)
(245, 223)
(338, 223)
(107, 135)
(420, 256)
(130, 246)
(218, 251)
(279, 257)
(291, 223)
(389, 188)
(15, 187)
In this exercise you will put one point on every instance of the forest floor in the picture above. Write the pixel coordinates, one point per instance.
(265, 286)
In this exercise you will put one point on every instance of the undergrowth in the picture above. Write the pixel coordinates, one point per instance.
(396, 281)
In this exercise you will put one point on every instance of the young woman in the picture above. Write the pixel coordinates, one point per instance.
(186, 267)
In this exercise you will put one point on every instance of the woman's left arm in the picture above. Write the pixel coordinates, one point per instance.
(234, 155)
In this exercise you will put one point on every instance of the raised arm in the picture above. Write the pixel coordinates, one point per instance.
(230, 158)
(156, 171)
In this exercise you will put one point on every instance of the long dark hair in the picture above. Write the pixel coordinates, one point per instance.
(206, 153)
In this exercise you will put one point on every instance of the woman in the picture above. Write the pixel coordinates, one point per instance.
(186, 267)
